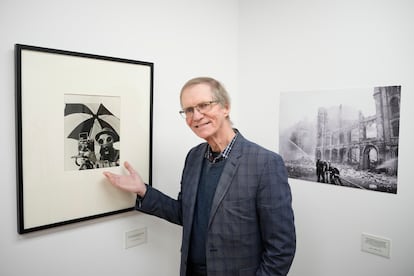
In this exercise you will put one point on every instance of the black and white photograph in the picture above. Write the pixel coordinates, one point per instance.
(78, 107)
(343, 137)
(91, 132)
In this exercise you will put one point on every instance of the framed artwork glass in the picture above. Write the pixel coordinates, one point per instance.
(78, 115)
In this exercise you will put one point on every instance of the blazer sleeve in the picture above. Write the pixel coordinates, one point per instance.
(274, 203)
(158, 204)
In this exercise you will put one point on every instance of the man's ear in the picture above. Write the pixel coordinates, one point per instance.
(227, 110)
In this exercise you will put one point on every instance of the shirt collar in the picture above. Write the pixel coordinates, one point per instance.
(224, 154)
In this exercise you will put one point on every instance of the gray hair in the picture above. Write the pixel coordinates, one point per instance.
(219, 92)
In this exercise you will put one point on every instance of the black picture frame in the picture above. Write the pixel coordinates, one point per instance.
(65, 102)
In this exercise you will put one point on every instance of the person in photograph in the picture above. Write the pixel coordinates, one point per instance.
(234, 204)
(320, 170)
(335, 178)
(109, 155)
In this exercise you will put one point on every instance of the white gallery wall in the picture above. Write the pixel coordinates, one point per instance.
(320, 45)
(258, 49)
(184, 39)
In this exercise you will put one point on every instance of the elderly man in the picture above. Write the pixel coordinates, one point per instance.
(235, 200)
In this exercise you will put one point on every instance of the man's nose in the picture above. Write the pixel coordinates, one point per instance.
(197, 115)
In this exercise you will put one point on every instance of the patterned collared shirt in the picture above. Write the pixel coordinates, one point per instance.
(213, 158)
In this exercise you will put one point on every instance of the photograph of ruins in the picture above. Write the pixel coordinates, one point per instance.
(346, 137)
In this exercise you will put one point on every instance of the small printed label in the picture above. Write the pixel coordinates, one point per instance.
(376, 245)
(135, 237)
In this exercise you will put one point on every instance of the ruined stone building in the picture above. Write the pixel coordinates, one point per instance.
(367, 143)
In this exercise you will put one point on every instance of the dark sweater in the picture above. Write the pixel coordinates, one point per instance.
(209, 179)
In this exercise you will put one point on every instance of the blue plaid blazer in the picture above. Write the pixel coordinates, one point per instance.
(251, 227)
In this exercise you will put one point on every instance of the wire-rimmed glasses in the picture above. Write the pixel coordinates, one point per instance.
(203, 107)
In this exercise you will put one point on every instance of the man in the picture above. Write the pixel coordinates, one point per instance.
(235, 200)
(320, 173)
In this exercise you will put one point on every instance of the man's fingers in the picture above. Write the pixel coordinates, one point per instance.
(129, 168)
(109, 176)
(113, 178)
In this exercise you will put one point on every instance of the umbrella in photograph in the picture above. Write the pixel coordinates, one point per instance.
(90, 120)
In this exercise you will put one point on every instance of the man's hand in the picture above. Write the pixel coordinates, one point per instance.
(131, 182)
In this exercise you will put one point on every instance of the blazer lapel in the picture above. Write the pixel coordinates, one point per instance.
(227, 175)
(192, 180)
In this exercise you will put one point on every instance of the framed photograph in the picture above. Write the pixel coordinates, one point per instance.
(78, 115)
(344, 137)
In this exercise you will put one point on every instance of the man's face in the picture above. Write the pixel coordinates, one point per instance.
(208, 124)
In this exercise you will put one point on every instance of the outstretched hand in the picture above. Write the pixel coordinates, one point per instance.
(131, 182)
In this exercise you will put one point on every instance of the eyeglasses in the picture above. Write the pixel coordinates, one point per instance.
(201, 107)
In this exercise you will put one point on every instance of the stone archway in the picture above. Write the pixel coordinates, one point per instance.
(370, 157)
